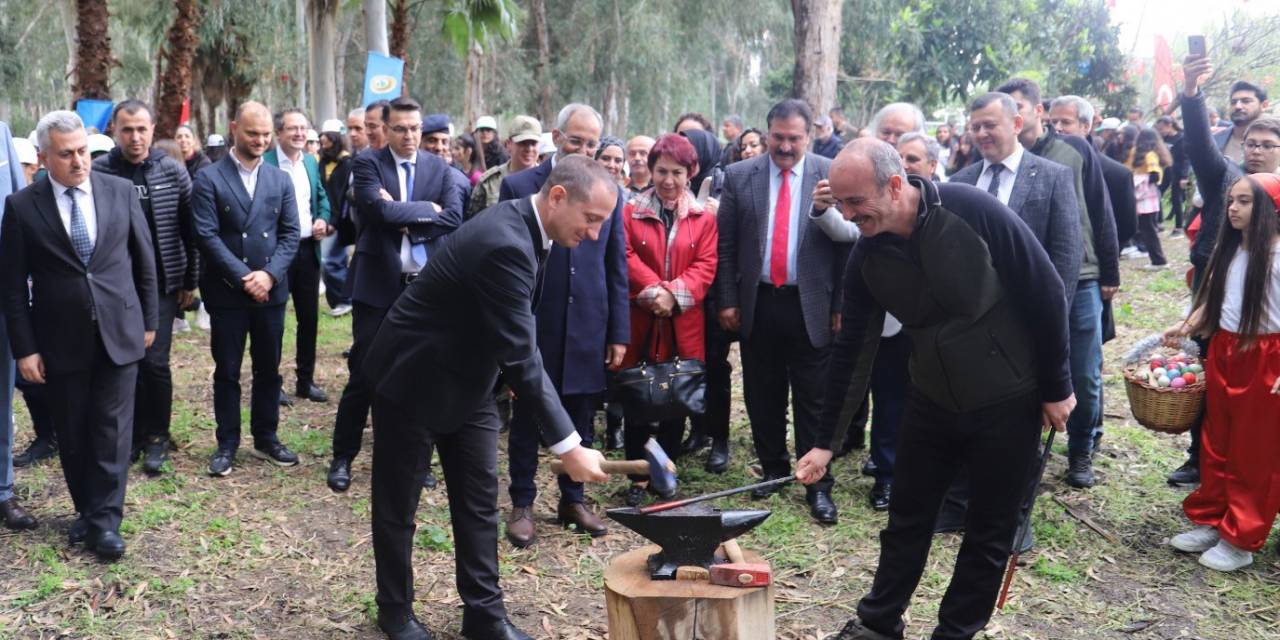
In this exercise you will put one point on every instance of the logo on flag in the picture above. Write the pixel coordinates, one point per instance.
(382, 78)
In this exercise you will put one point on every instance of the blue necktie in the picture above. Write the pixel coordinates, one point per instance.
(417, 250)
(79, 232)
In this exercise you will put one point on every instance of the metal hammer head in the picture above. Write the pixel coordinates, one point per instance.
(662, 472)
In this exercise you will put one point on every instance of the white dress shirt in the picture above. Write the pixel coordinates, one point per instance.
(247, 176)
(573, 440)
(1007, 175)
(407, 263)
(84, 199)
(793, 221)
(301, 188)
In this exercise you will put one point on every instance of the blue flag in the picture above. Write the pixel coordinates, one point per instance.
(95, 113)
(382, 75)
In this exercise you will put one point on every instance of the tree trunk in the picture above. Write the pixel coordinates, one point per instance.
(68, 10)
(300, 28)
(322, 32)
(473, 98)
(400, 38)
(817, 47)
(93, 51)
(542, 69)
(175, 82)
(345, 34)
(375, 26)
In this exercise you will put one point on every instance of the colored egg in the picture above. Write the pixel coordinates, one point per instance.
(1162, 381)
(1159, 371)
(1189, 377)
(1177, 383)
(1195, 368)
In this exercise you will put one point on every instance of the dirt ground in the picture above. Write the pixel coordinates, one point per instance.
(273, 553)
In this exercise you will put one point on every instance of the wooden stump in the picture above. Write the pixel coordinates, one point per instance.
(644, 609)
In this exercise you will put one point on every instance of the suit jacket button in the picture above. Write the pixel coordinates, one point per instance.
(570, 299)
(246, 260)
(244, 235)
(264, 234)
(226, 209)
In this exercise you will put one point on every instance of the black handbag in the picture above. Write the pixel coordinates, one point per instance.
(660, 391)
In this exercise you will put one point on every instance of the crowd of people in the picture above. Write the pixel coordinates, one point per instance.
(933, 295)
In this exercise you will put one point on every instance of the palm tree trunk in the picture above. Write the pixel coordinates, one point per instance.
(175, 82)
(93, 51)
(542, 70)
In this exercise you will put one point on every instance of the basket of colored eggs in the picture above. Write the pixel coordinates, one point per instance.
(1166, 389)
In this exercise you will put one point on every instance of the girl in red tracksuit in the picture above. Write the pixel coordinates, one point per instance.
(1239, 306)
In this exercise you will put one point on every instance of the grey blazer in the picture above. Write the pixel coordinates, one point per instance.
(743, 221)
(1044, 197)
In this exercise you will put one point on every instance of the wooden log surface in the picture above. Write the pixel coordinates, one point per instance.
(644, 609)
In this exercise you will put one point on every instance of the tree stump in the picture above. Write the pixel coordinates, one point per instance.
(644, 609)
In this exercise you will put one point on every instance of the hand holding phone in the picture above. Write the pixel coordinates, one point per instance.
(1195, 45)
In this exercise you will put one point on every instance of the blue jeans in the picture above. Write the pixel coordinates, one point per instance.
(6, 420)
(1085, 324)
(334, 271)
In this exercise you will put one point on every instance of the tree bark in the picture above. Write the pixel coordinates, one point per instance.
(322, 32)
(375, 26)
(542, 69)
(93, 51)
(175, 82)
(817, 49)
(473, 96)
(400, 38)
(300, 8)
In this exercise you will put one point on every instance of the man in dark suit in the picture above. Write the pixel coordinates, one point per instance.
(312, 201)
(433, 365)
(404, 203)
(82, 240)
(583, 327)
(247, 229)
(779, 281)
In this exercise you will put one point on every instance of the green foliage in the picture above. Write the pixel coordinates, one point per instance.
(468, 21)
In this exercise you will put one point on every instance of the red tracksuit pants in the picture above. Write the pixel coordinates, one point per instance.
(1239, 491)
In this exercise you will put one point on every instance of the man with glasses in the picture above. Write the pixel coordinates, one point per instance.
(405, 202)
(583, 326)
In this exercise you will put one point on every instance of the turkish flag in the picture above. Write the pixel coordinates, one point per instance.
(1164, 87)
(186, 111)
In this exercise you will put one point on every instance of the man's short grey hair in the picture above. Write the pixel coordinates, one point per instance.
(916, 114)
(571, 109)
(734, 119)
(356, 113)
(885, 161)
(931, 146)
(1007, 103)
(61, 121)
(1084, 108)
(579, 175)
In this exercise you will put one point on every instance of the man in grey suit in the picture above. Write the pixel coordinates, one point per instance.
(247, 228)
(778, 282)
(82, 242)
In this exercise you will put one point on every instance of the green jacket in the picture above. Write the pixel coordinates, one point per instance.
(485, 193)
(319, 199)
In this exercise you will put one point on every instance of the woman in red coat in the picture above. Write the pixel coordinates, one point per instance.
(671, 261)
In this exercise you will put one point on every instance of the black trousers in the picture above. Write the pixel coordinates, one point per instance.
(889, 382)
(998, 445)
(524, 439)
(93, 415)
(636, 434)
(778, 358)
(154, 404)
(229, 328)
(304, 286)
(353, 407)
(37, 398)
(469, 457)
(1150, 237)
(715, 422)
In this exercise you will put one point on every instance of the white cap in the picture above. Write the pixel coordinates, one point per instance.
(26, 151)
(34, 139)
(333, 125)
(487, 122)
(312, 136)
(215, 140)
(99, 143)
(1109, 124)
(546, 145)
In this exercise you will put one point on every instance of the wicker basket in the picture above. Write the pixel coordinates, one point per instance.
(1164, 409)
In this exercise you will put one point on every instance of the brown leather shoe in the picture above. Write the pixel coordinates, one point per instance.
(15, 517)
(578, 515)
(521, 531)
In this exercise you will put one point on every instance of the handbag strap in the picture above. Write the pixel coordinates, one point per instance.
(651, 341)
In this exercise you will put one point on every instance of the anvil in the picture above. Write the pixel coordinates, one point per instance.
(688, 535)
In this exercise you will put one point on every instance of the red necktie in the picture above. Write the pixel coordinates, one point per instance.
(781, 233)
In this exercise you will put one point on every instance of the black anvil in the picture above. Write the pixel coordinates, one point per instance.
(688, 535)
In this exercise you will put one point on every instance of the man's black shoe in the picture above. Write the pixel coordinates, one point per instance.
(880, 493)
(853, 630)
(694, 443)
(718, 459)
(635, 495)
(40, 449)
(869, 468)
(822, 508)
(404, 627)
(108, 546)
(494, 630)
(1080, 470)
(155, 454)
(765, 492)
(78, 531)
(311, 392)
(221, 461)
(277, 454)
(1188, 475)
(15, 517)
(339, 477)
(284, 399)
(429, 481)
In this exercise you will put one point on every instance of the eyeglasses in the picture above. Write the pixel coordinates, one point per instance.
(1264, 146)
(589, 145)
(402, 130)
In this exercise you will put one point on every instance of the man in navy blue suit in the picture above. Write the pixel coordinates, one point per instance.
(583, 327)
(246, 222)
(404, 202)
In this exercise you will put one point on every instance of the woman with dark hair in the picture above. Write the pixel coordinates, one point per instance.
(335, 172)
(963, 155)
(708, 148)
(1238, 310)
(1147, 158)
(1175, 178)
(468, 156)
(671, 262)
(750, 143)
(612, 155)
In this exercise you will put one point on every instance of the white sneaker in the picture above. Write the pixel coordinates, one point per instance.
(1197, 540)
(180, 325)
(1226, 557)
(340, 310)
(1128, 251)
(202, 318)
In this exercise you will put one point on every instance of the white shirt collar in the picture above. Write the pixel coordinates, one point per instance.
(399, 160)
(235, 157)
(1011, 163)
(546, 242)
(282, 158)
(60, 189)
(797, 169)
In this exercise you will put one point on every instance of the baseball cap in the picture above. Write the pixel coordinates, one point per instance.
(524, 128)
(26, 151)
(215, 140)
(436, 122)
(312, 136)
(1109, 124)
(99, 143)
(333, 125)
(487, 122)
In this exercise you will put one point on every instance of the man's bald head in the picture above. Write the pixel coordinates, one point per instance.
(638, 158)
(869, 158)
(251, 130)
(868, 181)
